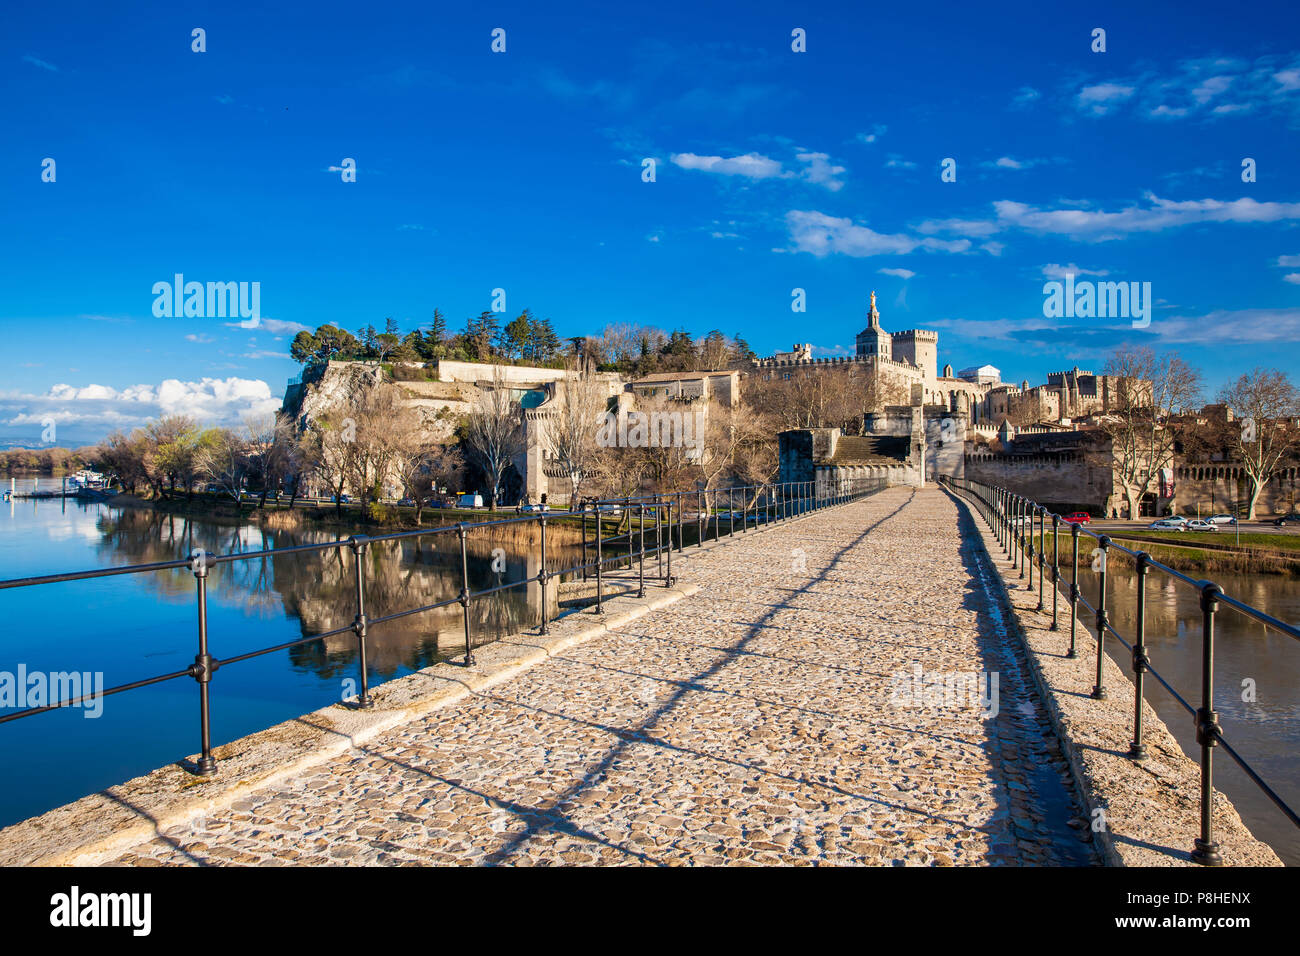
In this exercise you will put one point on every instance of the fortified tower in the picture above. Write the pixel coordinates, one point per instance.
(921, 349)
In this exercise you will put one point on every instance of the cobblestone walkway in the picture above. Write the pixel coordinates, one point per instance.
(754, 722)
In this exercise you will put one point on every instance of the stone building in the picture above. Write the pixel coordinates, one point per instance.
(908, 445)
(907, 365)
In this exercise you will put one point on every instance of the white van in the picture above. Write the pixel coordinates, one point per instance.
(469, 501)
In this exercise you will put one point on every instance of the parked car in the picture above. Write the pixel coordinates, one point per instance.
(469, 501)
(1077, 517)
(1221, 519)
(407, 502)
(1287, 519)
(1167, 524)
(534, 507)
(1197, 524)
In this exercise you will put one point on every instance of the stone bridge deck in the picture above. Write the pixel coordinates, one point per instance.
(751, 722)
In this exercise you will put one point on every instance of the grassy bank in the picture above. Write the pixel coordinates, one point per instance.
(1193, 552)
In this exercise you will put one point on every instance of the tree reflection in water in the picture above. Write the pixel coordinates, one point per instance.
(317, 590)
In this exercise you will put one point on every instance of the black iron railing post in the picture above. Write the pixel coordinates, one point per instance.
(359, 544)
(464, 593)
(1141, 663)
(699, 519)
(1031, 511)
(1014, 504)
(1056, 565)
(681, 523)
(1004, 523)
(582, 518)
(204, 665)
(1207, 729)
(668, 576)
(1016, 553)
(1099, 689)
(731, 511)
(541, 575)
(640, 521)
(1042, 546)
(1074, 590)
(1024, 538)
(600, 564)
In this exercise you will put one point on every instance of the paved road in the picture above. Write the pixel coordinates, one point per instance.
(759, 721)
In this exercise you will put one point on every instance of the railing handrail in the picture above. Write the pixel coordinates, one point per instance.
(1007, 513)
(785, 500)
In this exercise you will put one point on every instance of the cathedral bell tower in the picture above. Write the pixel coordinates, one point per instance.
(873, 341)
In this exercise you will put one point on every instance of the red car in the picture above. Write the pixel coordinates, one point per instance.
(1077, 517)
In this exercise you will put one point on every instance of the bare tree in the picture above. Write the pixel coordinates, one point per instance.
(569, 427)
(1267, 405)
(494, 432)
(270, 449)
(1151, 390)
(381, 421)
(224, 459)
(419, 466)
(325, 452)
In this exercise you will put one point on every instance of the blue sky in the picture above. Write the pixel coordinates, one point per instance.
(522, 170)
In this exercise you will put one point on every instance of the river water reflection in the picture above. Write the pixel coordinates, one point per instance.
(1266, 730)
(134, 626)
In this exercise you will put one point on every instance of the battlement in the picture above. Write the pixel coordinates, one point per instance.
(1056, 378)
(836, 360)
(924, 335)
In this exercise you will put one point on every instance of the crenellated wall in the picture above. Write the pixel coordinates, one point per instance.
(1065, 480)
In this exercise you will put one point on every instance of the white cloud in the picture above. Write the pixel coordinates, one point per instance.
(750, 165)
(821, 235)
(41, 63)
(993, 248)
(1101, 98)
(1054, 271)
(820, 171)
(1025, 96)
(1196, 87)
(265, 354)
(962, 227)
(274, 326)
(1288, 262)
(900, 273)
(200, 339)
(1210, 88)
(877, 130)
(1077, 221)
(1229, 326)
(817, 167)
(1292, 277)
(212, 401)
(1098, 225)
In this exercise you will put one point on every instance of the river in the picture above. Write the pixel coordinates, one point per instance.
(130, 627)
(134, 626)
(1249, 660)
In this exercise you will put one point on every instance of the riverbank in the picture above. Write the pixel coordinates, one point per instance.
(1191, 552)
(311, 514)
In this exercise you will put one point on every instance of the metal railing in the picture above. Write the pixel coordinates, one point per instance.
(780, 502)
(1011, 517)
